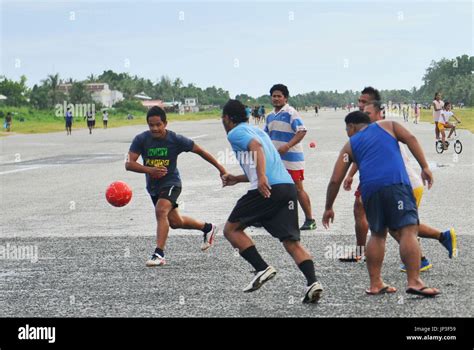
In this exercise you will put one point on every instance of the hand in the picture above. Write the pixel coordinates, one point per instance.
(263, 187)
(283, 149)
(427, 177)
(229, 180)
(328, 215)
(157, 172)
(347, 183)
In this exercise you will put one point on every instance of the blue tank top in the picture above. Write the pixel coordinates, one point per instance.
(378, 157)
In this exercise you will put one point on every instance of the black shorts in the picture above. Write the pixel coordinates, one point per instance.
(90, 123)
(170, 193)
(68, 124)
(277, 214)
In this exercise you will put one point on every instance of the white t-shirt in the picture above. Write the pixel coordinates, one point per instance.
(439, 105)
(415, 178)
(105, 116)
(445, 115)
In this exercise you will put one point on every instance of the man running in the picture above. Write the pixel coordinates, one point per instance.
(271, 201)
(286, 130)
(387, 195)
(159, 149)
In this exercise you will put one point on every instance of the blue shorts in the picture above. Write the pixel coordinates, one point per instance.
(391, 207)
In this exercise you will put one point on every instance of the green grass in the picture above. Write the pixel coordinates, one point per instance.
(465, 115)
(40, 121)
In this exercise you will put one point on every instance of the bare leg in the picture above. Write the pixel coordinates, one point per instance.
(235, 234)
(375, 255)
(176, 220)
(451, 132)
(162, 210)
(361, 223)
(297, 251)
(304, 200)
(410, 254)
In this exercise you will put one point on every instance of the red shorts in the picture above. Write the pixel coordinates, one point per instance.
(296, 175)
(357, 192)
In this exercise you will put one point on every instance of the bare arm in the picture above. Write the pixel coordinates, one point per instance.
(405, 136)
(340, 170)
(209, 158)
(294, 141)
(350, 177)
(256, 149)
(132, 165)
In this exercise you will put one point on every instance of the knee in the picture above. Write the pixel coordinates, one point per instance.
(228, 229)
(174, 224)
(161, 213)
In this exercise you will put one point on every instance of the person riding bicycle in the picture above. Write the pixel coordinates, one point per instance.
(443, 123)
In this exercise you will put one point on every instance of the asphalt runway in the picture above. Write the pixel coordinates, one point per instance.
(68, 253)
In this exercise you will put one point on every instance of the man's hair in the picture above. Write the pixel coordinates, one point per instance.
(377, 105)
(373, 93)
(156, 111)
(357, 117)
(236, 111)
(280, 87)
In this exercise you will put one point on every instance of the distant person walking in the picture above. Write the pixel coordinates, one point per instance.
(8, 122)
(438, 105)
(105, 119)
(90, 120)
(68, 118)
(417, 113)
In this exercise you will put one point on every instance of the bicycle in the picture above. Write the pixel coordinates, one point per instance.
(457, 143)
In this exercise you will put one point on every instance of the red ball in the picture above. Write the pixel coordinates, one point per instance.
(118, 194)
(312, 144)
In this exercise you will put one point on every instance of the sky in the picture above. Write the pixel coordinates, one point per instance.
(240, 46)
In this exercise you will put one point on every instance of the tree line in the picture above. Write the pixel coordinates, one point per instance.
(452, 77)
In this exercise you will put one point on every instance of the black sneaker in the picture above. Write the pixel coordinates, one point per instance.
(309, 225)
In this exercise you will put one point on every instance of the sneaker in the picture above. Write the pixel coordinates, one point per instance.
(309, 225)
(449, 241)
(156, 260)
(209, 238)
(260, 278)
(425, 265)
(313, 293)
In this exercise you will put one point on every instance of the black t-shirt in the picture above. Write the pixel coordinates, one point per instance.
(161, 152)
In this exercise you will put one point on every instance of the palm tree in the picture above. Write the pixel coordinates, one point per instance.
(52, 82)
(91, 78)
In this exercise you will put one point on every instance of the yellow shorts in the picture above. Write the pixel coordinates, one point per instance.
(440, 126)
(418, 193)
